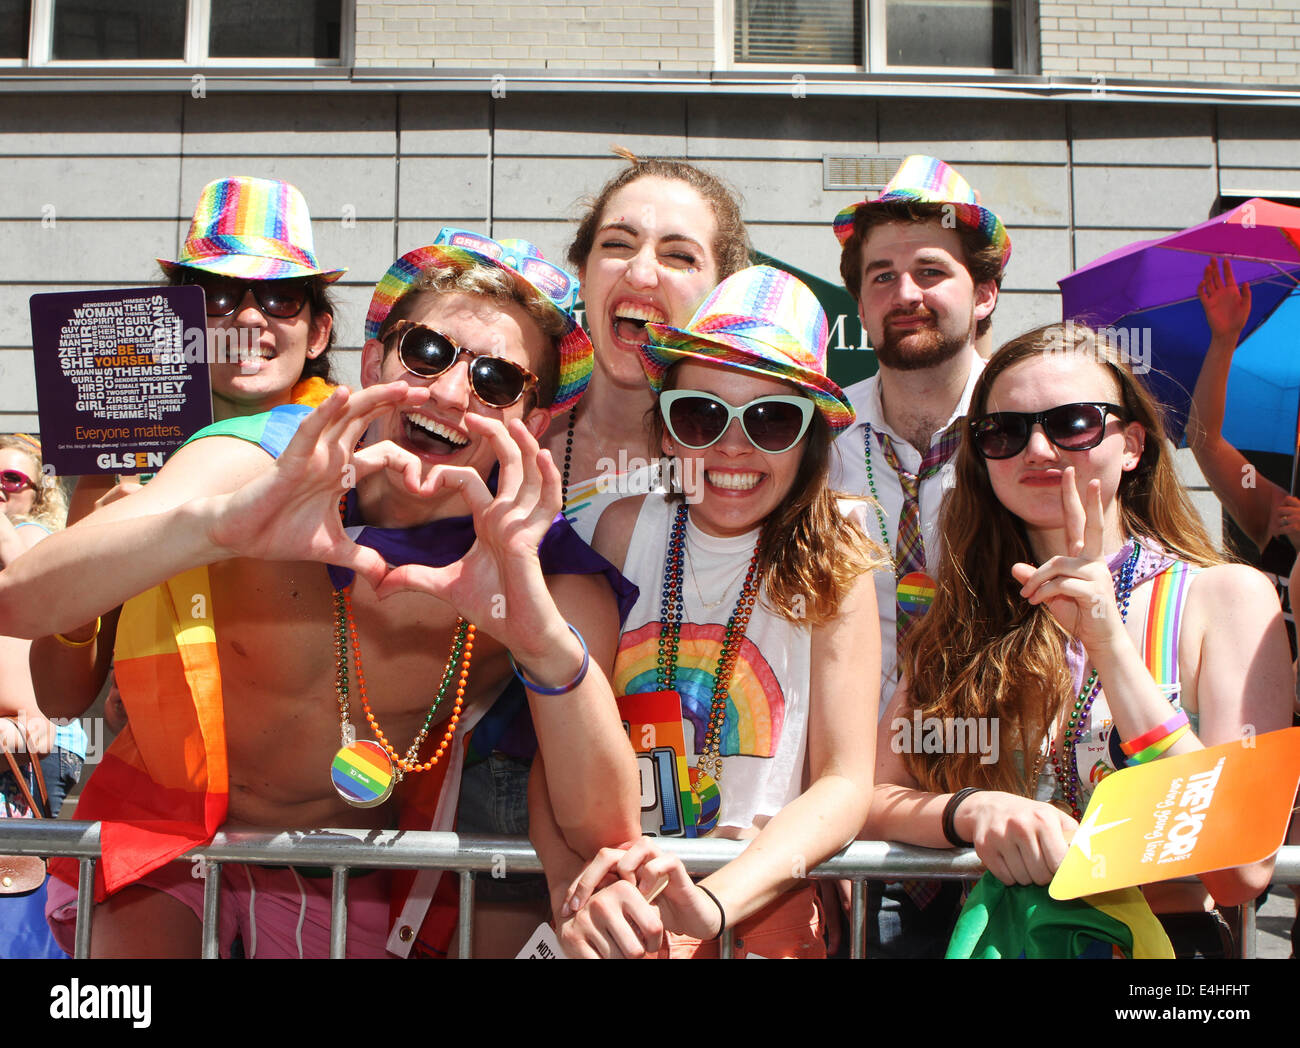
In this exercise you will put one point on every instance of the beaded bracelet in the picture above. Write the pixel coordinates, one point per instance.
(563, 689)
(1157, 749)
(67, 643)
(1155, 734)
(950, 816)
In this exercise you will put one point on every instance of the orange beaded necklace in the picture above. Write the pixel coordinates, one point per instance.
(462, 651)
(365, 772)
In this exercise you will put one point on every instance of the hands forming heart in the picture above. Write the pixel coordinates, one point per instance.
(290, 512)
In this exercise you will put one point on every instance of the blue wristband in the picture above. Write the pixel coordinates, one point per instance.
(563, 689)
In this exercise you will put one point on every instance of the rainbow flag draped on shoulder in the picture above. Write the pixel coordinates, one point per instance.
(162, 787)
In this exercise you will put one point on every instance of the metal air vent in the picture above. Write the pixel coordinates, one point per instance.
(863, 171)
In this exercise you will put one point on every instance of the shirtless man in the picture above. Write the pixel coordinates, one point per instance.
(265, 527)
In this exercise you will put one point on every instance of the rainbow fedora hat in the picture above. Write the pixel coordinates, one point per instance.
(537, 277)
(252, 228)
(761, 320)
(927, 180)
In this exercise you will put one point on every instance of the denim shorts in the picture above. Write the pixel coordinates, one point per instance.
(62, 771)
(494, 803)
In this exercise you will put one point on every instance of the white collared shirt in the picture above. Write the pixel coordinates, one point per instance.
(849, 475)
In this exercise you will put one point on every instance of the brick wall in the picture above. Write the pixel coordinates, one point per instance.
(559, 34)
(1234, 41)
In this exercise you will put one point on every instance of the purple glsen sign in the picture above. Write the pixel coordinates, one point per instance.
(121, 376)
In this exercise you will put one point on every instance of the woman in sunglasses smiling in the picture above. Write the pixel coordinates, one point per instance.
(32, 506)
(1081, 605)
(270, 326)
(757, 615)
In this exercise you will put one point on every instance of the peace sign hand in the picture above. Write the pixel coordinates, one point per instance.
(1077, 587)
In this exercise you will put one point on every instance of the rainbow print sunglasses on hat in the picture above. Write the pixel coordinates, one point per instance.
(761, 320)
(927, 180)
(251, 228)
(524, 262)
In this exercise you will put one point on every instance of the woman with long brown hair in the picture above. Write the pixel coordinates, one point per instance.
(756, 624)
(1066, 527)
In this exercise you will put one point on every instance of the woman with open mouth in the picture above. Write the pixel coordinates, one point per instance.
(652, 244)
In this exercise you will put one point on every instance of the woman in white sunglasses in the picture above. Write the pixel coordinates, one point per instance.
(756, 625)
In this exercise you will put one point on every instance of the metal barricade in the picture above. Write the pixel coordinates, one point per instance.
(464, 855)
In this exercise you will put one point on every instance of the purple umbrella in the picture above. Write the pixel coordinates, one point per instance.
(1145, 293)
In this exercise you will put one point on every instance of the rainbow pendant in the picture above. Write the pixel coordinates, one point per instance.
(707, 796)
(363, 774)
(916, 592)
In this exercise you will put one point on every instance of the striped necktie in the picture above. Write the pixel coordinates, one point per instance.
(909, 547)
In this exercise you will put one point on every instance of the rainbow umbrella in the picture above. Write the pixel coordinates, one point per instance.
(1144, 295)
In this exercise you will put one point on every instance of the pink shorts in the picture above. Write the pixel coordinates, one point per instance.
(790, 927)
(275, 911)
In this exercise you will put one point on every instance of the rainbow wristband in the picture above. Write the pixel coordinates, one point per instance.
(1157, 749)
(1155, 734)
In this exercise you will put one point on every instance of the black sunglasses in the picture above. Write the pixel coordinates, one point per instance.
(426, 353)
(1071, 427)
(282, 299)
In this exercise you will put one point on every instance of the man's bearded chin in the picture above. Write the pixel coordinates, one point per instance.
(917, 349)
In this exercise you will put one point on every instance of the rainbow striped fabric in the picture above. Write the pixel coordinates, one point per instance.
(162, 787)
(254, 228)
(1160, 642)
(524, 262)
(761, 320)
(928, 180)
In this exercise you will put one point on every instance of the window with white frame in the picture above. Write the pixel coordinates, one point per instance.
(880, 35)
(162, 32)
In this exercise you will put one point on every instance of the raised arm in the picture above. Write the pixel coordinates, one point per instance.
(1251, 501)
(214, 500)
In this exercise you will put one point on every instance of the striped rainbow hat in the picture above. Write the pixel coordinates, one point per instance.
(761, 320)
(524, 262)
(927, 180)
(252, 228)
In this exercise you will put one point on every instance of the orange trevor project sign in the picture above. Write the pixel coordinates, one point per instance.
(1224, 806)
